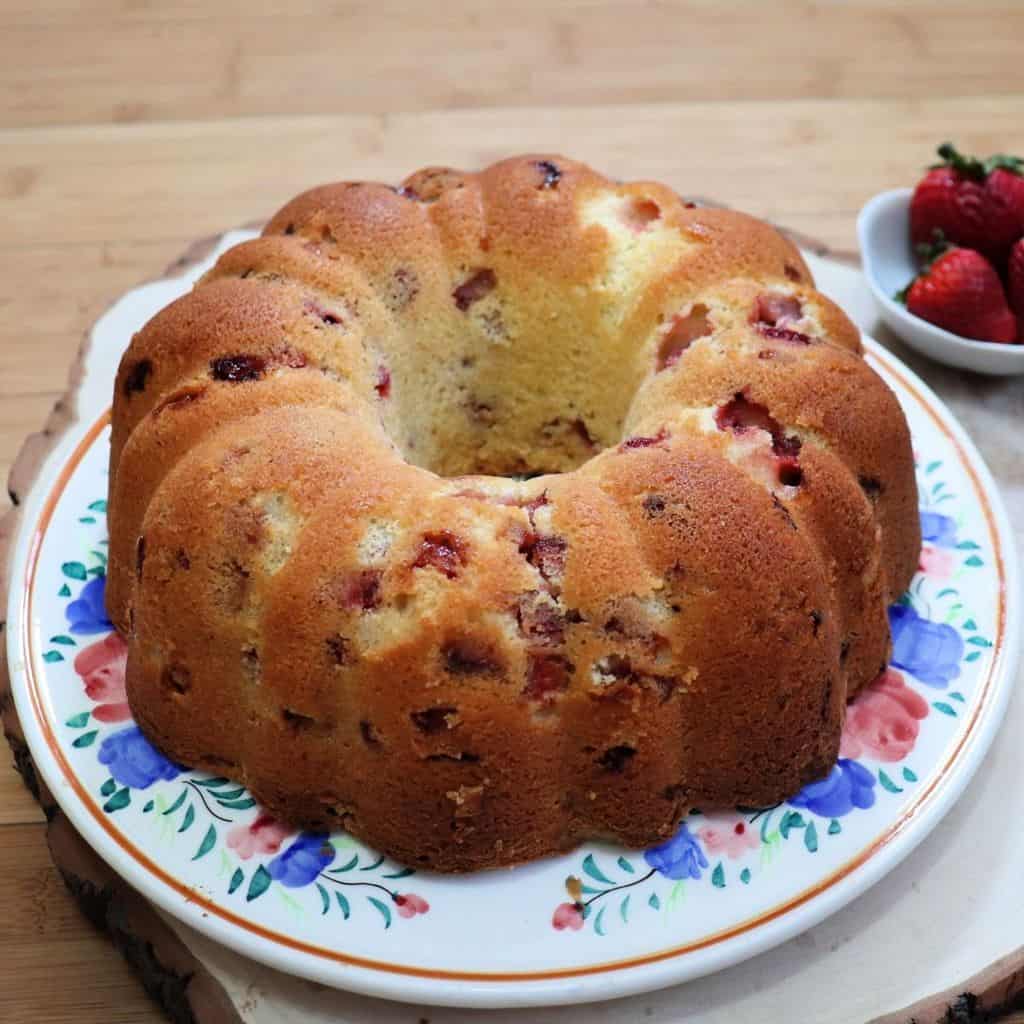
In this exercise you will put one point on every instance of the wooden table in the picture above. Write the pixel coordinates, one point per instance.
(128, 129)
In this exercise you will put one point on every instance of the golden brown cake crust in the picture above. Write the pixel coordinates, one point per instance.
(502, 510)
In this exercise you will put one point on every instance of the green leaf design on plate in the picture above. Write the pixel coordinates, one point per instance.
(343, 904)
(909, 775)
(99, 556)
(957, 695)
(385, 910)
(230, 794)
(210, 783)
(887, 784)
(947, 592)
(979, 641)
(74, 570)
(968, 545)
(209, 840)
(653, 902)
(325, 899)
(122, 798)
(942, 706)
(970, 625)
(236, 880)
(78, 721)
(51, 656)
(932, 466)
(745, 876)
(945, 497)
(718, 876)
(589, 890)
(790, 820)
(60, 638)
(590, 867)
(624, 909)
(974, 561)
(346, 867)
(87, 519)
(97, 570)
(108, 787)
(599, 922)
(148, 807)
(190, 816)
(98, 506)
(973, 656)
(811, 837)
(834, 827)
(258, 884)
(403, 873)
(625, 865)
(376, 864)
(86, 739)
(178, 802)
(65, 591)
(238, 805)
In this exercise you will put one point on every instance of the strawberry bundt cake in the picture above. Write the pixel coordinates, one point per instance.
(501, 510)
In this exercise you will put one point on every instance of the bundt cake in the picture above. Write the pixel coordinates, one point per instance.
(502, 510)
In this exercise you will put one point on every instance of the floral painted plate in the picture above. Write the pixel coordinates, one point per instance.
(598, 923)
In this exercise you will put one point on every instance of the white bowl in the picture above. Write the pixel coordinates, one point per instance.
(883, 228)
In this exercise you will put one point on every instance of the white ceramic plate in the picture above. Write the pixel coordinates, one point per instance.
(883, 228)
(329, 909)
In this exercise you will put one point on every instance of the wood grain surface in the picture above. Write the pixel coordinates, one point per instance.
(129, 128)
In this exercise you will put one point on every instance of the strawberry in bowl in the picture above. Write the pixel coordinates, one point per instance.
(959, 290)
(945, 261)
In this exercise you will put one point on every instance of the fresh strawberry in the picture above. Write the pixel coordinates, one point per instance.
(954, 198)
(1015, 280)
(1005, 186)
(961, 292)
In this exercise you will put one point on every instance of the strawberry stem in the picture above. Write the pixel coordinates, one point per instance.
(929, 252)
(968, 166)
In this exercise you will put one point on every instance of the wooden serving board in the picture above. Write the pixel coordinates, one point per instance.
(939, 939)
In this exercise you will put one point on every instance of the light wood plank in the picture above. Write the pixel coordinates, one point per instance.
(62, 291)
(120, 61)
(56, 967)
(807, 164)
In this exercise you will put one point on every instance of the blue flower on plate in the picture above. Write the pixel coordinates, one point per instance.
(133, 761)
(678, 857)
(938, 529)
(87, 614)
(848, 785)
(301, 863)
(929, 651)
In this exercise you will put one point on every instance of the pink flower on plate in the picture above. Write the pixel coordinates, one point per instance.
(102, 666)
(567, 915)
(262, 835)
(728, 834)
(883, 721)
(937, 562)
(409, 904)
